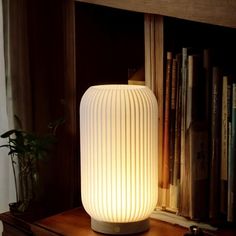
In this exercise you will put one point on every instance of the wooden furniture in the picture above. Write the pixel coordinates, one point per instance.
(57, 89)
(51, 60)
(212, 12)
(76, 222)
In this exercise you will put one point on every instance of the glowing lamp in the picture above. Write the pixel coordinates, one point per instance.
(118, 137)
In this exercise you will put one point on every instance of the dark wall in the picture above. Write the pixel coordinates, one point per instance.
(108, 43)
(67, 47)
(51, 63)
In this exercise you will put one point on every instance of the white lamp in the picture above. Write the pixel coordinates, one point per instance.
(118, 130)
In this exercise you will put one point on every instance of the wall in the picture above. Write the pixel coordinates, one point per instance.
(6, 180)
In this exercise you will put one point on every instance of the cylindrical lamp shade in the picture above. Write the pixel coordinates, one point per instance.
(118, 138)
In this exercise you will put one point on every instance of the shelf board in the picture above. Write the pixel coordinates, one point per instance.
(215, 12)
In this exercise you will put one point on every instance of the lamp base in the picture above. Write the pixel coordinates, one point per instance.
(119, 228)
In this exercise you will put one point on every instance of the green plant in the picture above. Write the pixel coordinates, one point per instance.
(25, 150)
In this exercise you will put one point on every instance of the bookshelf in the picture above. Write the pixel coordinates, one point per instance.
(177, 24)
(63, 63)
(200, 11)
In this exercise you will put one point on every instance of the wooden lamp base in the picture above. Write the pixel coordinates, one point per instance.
(119, 228)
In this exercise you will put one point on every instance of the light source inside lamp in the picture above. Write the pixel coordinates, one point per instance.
(118, 127)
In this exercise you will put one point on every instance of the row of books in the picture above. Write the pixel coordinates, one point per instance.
(199, 138)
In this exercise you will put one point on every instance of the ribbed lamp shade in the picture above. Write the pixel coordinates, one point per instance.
(118, 129)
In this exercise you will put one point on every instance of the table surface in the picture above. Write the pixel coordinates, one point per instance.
(76, 222)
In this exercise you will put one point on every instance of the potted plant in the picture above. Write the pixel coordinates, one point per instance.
(26, 149)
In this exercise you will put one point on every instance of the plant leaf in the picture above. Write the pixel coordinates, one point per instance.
(8, 133)
(5, 145)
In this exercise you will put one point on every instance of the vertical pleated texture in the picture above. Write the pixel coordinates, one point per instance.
(118, 129)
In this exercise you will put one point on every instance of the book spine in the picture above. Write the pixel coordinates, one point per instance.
(176, 179)
(196, 146)
(173, 198)
(229, 117)
(189, 90)
(229, 198)
(166, 139)
(198, 171)
(224, 147)
(188, 137)
(232, 162)
(184, 188)
(215, 146)
(172, 120)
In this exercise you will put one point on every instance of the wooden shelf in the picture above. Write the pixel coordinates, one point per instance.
(77, 222)
(203, 11)
(216, 12)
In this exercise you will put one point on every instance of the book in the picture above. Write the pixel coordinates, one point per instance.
(154, 70)
(199, 170)
(196, 142)
(229, 195)
(177, 153)
(214, 206)
(172, 120)
(182, 221)
(188, 121)
(166, 135)
(184, 171)
(224, 144)
(231, 216)
(173, 162)
(191, 83)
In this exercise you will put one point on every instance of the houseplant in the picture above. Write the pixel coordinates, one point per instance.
(26, 149)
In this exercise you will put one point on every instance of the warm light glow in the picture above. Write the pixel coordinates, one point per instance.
(118, 127)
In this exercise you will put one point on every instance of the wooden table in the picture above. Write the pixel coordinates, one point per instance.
(76, 222)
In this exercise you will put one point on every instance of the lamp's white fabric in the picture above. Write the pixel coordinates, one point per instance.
(118, 127)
